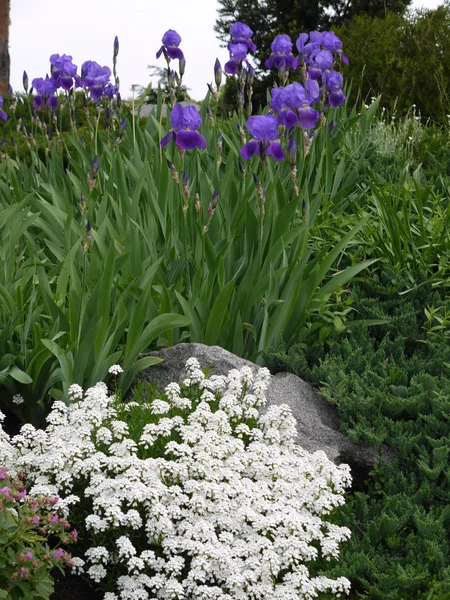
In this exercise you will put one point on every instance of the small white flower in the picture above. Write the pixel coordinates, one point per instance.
(97, 573)
(77, 565)
(98, 554)
(75, 392)
(126, 548)
(160, 407)
(18, 399)
(115, 370)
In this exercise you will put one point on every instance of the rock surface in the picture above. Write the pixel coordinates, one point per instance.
(317, 420)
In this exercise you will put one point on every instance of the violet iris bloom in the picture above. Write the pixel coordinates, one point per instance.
(45, 89)
(281, 56)
(293, 104)
(94, 77)
(333, 83)
(320, 61)
(185, 120)
(315, 38)
(241, 34)
(63, 70)
(265, 140)
(332, 43)
(171, 40)
(300, 43)
(111, 90)
(3, 115)
(238, 53)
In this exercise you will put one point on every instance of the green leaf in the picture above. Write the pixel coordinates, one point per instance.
(19, 375)
(218, 314)
(65, 362)
(157, 326)
(45, 587)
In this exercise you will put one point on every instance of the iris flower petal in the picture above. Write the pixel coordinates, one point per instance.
(307, 117)
(337, 98)
(231, 67)
(173, 52)
(53, 102)
(188, 140)
(276, 151)
(288, 118)
(263, 127)
(171, 38)
(250, 149)
(167, 138)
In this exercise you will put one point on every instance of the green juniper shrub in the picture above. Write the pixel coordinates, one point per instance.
(390, 385)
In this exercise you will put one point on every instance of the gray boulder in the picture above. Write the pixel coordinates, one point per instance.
(317, 420)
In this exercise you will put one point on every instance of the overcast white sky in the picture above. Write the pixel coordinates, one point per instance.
(86, 30)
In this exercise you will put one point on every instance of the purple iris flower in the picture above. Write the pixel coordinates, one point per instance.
(265, 138)
(94, 77)
(241, 34)
(3, 115)
(170, 40)
(332, 43)
(111, 90)
(185, 120)
(63, 70)
(315, 38)
(337, 98)
(45, 89)
(300, 43)
(293, 104)
(238, 53)
(93, 74)
(320, 61)
(281, 56)
(333, 82)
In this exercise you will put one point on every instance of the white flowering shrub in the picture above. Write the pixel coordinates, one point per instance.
(397, 137)
(196, 496)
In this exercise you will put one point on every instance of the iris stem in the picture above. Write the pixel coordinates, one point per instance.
(184, 226)
(96, 147)
(133, 116)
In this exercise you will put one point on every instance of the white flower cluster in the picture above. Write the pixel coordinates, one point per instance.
(229, 509)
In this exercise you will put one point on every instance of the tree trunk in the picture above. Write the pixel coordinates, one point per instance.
(4, 46)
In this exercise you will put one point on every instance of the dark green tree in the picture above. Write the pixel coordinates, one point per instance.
(267, 18)
(407, 60)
